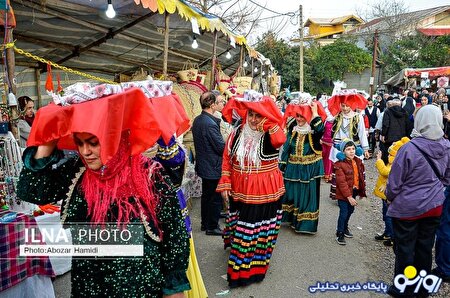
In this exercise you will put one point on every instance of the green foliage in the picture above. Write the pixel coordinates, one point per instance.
(417, 52)
(284, 58)
(321, 65)
(340, 57)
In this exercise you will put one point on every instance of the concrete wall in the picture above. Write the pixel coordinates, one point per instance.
(361, 81)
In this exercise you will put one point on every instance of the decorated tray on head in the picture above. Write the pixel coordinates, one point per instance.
(81, 92)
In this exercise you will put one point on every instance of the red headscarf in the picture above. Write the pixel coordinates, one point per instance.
(126, 124)
(305, 110)
(107, 117)
(351, 98)
(265, 107)
(121, 178)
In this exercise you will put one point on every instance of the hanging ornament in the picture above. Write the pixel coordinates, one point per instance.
(60, 88)
(49, 82)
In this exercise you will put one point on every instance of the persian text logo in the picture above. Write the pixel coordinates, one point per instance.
(430, 282)
(380, 287)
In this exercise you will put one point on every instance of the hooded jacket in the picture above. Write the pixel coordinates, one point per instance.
(413, 187)
(384, 170)
(396, 124)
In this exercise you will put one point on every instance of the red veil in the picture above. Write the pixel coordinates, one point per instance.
(265, 107)
(107, 117)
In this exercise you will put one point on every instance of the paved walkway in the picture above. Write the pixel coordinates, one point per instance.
(300, 261)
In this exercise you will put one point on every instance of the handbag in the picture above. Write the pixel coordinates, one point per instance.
(189, 72)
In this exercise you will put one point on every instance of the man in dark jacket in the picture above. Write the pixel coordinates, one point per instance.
(209, 146)
(396, 125)
(372, 113)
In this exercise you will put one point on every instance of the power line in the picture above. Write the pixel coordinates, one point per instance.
(272, 11)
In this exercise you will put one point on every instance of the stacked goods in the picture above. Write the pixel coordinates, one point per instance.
(189, 72)
(242, 82)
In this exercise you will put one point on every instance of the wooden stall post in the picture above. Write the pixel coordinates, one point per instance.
(166, 43)
(241, 56)
(213, 62)
(37, 75)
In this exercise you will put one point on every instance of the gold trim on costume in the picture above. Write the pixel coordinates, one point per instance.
(301, 216)
(304, 160)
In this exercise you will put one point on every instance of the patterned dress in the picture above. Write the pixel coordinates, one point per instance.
(162, 269)
(255, 208)
(346, 128)
(301, 162)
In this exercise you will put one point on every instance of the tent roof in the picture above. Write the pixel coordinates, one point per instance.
(433, 72)
(76, 34)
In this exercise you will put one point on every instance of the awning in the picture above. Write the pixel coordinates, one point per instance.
(433, 72)
(434, 31)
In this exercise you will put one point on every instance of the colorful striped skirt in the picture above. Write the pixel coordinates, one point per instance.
(251, 231)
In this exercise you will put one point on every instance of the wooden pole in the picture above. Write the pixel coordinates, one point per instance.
(37, 75)
(213, 62)
(241, 57)
(301, 48)
(10, 58)
(374, 63)
(251, 70)
(166, 43)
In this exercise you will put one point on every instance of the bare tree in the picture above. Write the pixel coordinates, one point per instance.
(240, 16)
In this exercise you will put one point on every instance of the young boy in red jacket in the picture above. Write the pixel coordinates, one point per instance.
(350, 183)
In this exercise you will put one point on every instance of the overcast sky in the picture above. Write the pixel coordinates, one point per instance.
(322, 9)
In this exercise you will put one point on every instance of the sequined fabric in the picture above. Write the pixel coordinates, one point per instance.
(162, 270)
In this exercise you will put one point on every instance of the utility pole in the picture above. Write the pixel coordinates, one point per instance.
(300, 31)
(374, 63)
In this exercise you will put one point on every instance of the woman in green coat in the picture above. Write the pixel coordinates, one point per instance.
(110, 183)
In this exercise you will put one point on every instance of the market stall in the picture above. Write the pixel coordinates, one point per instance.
(434, 78)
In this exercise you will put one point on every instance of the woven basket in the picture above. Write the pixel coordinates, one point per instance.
(140, 75)
(189, 71)
(242, 84)
(223, 85)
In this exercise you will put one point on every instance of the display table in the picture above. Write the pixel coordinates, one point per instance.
(16, 270)
(52, 222)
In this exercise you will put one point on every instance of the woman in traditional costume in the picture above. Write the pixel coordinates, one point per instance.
(252, 185)
(326, 141)
(110, 181)
(172, 157)
(347, 124)
(301, 163)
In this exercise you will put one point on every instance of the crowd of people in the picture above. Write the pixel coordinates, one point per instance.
(273, 163)
(260, 166)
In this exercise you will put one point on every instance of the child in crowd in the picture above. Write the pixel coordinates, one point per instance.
(350, 183)
(380, 187)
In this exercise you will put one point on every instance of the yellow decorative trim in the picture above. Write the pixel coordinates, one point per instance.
(303, 181)
(311, 144)
(254, 199)
(304, 160)
(223, 186)
(300, 216)
(262, 169)
(274, 129)
(185, 11)
(299, 144)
